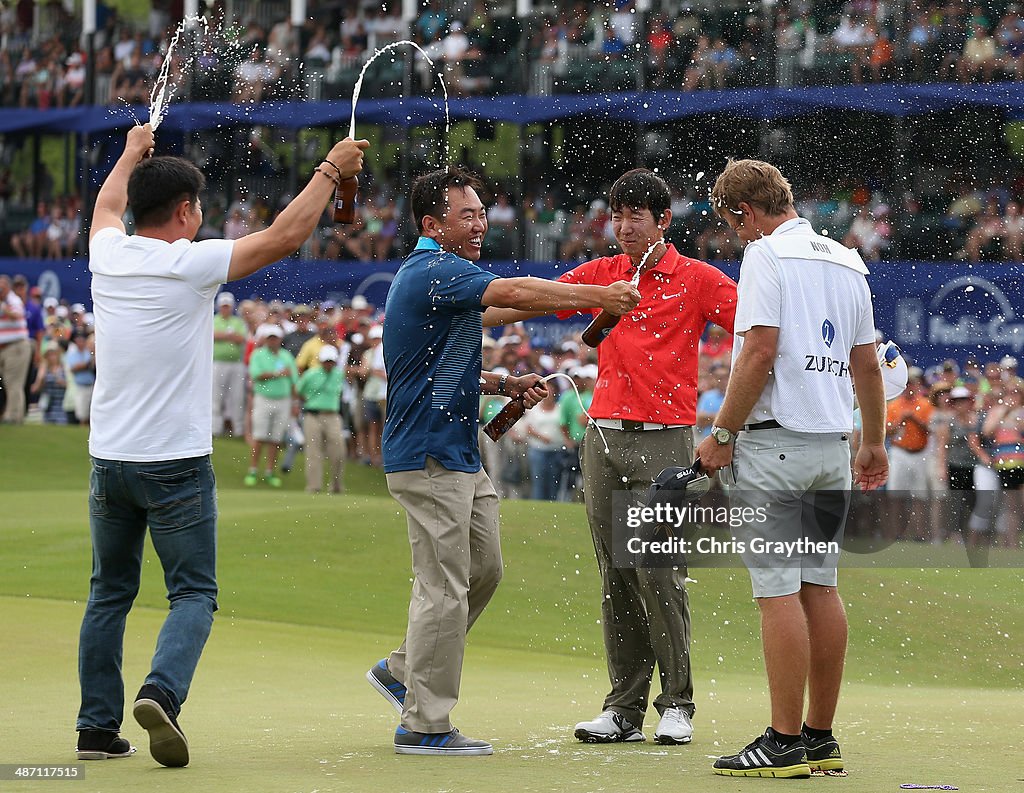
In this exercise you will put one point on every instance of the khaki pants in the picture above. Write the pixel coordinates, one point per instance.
(323, 442)
(15, 358)
(645, 611)
(456, 561)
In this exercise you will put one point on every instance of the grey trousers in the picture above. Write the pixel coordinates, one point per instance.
(645, 612)
(456, 562)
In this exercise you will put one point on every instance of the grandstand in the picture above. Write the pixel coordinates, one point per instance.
(866, 88)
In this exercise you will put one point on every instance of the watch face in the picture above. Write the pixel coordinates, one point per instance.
(722, 435)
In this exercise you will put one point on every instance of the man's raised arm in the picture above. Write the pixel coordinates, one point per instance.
(298, 220)
(112, 199)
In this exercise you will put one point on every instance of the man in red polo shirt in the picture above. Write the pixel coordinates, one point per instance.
(645, 402)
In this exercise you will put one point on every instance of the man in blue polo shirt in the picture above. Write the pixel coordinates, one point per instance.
(432, 351)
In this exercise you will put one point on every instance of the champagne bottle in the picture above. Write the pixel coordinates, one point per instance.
(345, 201)
(506, 417)
(599, 328)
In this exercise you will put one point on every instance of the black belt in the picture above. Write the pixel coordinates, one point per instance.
(771, 424)
(317, 412)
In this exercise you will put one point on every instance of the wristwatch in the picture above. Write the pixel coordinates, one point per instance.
(722, 436)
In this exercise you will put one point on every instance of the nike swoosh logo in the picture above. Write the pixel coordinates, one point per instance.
(669, 297)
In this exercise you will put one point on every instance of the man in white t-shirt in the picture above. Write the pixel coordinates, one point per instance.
(151, 432)
(804, 329)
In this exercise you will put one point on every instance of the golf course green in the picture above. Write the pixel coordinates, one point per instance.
(314, 590)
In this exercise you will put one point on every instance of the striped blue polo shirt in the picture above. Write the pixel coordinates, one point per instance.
(432, 352)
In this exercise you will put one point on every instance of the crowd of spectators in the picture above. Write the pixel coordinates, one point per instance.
(852, 212)
(956, 435)
(683, 46)
(978, 224)
(581, 46)
(989, 223)
(680, 45)
(57, 376)
(53, 233)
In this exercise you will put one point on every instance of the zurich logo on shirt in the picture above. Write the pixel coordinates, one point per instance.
(828, 333)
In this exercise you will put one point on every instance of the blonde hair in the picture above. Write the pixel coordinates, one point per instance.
(754, 182)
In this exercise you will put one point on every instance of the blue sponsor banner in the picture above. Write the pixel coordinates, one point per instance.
(648, 107)
(933, 311)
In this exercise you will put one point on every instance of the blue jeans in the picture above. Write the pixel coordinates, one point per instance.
(545, 473)
(177, 499)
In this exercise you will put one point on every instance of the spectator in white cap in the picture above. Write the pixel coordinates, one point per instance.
(55, 329)
(58, 326)
(375, 393)
(81, 362)
(229, 336)
(78, 317)
(1009, 366)
(273, 374)
(320, 390)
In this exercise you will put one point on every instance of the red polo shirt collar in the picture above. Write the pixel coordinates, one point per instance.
(647, 366)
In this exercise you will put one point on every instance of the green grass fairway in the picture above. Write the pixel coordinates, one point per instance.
(314, 589)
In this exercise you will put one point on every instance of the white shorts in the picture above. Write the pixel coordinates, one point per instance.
(270, 418)
(908, 472)
(987, 499)
(792, 476)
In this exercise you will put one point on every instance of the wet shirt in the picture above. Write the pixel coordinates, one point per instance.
(432, 353)
(647, 366)
(814, 291)
(153, 302)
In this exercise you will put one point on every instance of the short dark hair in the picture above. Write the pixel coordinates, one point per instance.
(428, 191)
(640, 189)
(158, 185)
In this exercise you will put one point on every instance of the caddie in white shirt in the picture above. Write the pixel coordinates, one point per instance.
(804, 339)
(151, 433)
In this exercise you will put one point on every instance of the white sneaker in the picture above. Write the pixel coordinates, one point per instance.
(674, 728)
(609, 727)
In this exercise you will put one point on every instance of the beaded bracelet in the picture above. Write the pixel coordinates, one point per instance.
(337, 182)
(335, 167)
